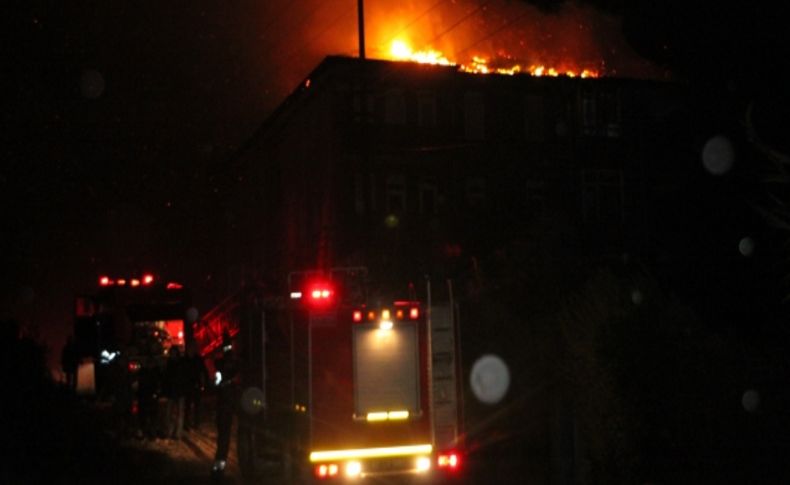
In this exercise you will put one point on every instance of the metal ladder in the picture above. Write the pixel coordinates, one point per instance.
(445, 380)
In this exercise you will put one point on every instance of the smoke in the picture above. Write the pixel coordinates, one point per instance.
(569, 35)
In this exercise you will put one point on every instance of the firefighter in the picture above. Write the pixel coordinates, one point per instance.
(69, 361)
(197, 376)
(226, 379)
(175, 389)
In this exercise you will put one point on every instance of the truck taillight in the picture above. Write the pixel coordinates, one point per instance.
(449, 461)
(105, 281)
(326, 470)
(414, 313)
(357, 316)
(148, 279)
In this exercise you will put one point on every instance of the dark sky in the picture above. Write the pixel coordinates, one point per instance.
(122, 114)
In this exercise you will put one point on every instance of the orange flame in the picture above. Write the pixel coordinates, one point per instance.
(401, 51)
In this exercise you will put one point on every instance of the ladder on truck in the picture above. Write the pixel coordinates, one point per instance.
(444, 376)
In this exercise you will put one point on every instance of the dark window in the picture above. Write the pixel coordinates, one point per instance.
(602, 195)
(476, 191)
(474, 116)
(601, 113)
(394, 107)
(428, 197)
(533, 117)
(426, 110)
(396, 194)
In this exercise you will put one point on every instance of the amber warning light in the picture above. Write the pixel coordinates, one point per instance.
(146, 280)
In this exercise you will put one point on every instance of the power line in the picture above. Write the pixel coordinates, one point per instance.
(459, 22)
(290, 59)
(493, 33)
(417, 19)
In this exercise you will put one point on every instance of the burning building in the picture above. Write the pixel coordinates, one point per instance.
(501, 183)
(450, 160)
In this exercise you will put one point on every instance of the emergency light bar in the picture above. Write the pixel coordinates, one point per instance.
(411, 313)
(146, 280)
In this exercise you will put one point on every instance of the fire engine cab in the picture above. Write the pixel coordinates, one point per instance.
(138, 317)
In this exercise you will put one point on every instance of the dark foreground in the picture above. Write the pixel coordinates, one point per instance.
(54, 437)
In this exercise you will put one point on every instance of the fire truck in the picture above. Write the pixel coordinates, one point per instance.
(136, 319)
(341, 385)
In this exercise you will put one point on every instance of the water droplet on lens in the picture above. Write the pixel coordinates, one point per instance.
(746, 246)
(718, 155)
(91, 84)
(750, 400)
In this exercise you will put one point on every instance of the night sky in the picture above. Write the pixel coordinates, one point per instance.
(121, 115)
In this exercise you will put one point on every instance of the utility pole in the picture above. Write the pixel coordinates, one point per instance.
(361, 22)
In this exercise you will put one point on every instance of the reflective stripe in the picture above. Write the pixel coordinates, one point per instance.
(318, 456)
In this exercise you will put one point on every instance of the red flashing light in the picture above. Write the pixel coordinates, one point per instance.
(148, 279)
(414, 313)
(320, 294)
(357, 316)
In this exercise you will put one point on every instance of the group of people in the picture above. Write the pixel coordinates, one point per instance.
(167, 396)
(163, 399)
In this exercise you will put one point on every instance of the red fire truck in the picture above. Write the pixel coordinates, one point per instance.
(139, 317)
(342, 386)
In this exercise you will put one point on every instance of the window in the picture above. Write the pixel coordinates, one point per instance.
(426, 110)
(359, 194)
(476, 192)
(363, 106)
(394, 107)
(535, 194)
(428, 197)
(474, 116)
(396, 194)
(601, 113)
(533, 117)
(602, 195)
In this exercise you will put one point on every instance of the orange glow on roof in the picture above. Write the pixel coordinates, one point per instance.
(400, 50)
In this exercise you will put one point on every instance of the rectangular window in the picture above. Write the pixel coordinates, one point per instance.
(602, 195)
(363, 106)
(394, 107)
(474, 116)
(601, 113)
(396, 194)
(426, 110)
(428, 197)
(476, 192)
(533, 117)
(359, 194)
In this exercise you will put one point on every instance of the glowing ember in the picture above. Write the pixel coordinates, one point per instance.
(401, 51)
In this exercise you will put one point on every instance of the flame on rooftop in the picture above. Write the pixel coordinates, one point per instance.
(401, 51)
